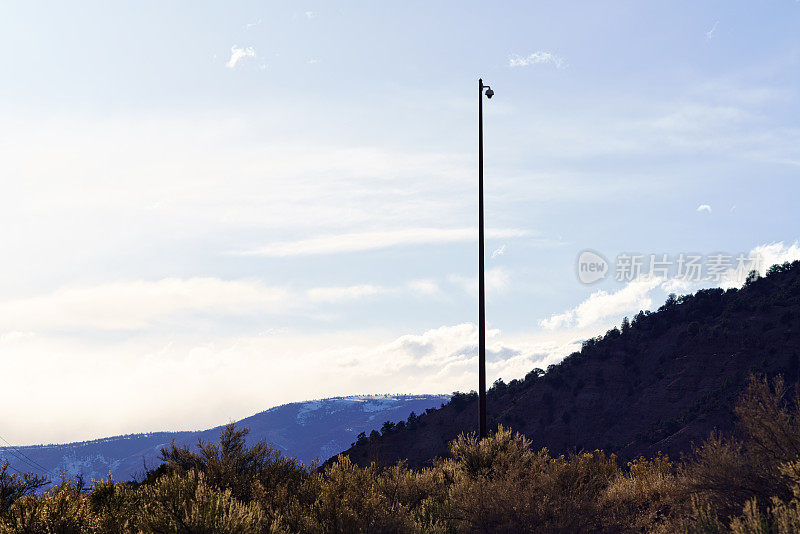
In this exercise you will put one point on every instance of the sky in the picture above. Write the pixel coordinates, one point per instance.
(212, 208)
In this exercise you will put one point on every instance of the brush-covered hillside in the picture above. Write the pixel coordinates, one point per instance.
(660, 382)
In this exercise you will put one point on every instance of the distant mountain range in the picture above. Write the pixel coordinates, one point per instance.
(305, 430)
(660, 382)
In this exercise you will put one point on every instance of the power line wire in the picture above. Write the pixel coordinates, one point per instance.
(16, 455)
(30, 462)
(23, 454)
(19, 460)
(14, 469)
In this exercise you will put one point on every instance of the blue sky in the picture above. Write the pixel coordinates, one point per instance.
(210, 209)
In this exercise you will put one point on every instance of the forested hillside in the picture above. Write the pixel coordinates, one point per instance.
(657, 383)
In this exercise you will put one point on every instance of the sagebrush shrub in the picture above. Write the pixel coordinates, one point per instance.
(750, 484)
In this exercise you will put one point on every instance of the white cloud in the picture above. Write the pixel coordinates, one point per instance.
(710, 33)
(310, 14)
(601, 308)
(766, 256)
(601, 305)
(499, 251)
(252, 24)
(312, 61)
(354, 242)
(141, 305)
(498, 281)
(239, 53)
(704, 207)
(138, 304)
(537, 58)
(223, 379)
(692, 122)
(338, 294)
(677, 286)
(203, 177)
(776, 254)
(447, 357)
(681, 127)
(14, 335)
(424, 287)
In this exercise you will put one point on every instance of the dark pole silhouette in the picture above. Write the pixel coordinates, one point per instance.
(481, 288)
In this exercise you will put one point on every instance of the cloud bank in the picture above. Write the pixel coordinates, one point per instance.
(360, 241)
(206, 382)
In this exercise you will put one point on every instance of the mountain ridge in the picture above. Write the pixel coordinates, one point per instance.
(306, 430)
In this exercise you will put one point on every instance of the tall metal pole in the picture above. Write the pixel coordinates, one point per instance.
(481, 295)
